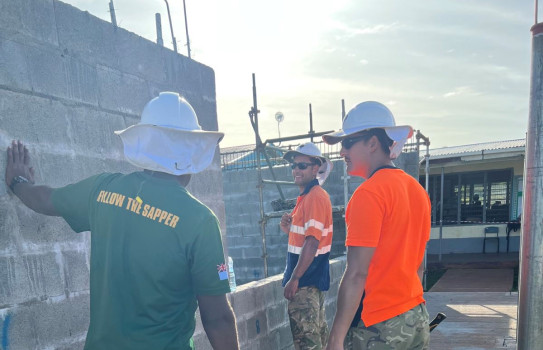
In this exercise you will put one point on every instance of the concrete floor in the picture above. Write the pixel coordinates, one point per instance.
(475, 320)
(481, 311)
(475, 280)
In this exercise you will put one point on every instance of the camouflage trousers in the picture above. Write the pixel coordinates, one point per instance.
(307, 319)
(408, 331)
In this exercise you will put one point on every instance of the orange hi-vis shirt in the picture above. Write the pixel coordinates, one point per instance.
(391, 212)
(312, 216)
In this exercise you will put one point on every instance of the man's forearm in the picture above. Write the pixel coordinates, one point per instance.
(349, 295)
(222, 332)
(307, 255)
(37, 198)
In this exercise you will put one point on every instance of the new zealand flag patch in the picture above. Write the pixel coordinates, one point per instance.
(223, 274)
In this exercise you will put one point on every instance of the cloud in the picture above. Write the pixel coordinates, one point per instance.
(458, 91)
(351, 30)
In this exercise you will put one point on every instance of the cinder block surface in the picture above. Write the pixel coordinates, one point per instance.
(29, 18)
(29, 277)
(114, 96)
(68, 80)
(13, 54)
(261, 312)
(36, 325)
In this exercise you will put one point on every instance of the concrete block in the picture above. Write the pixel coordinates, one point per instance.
(269, 291)
(270, 342)
(208, 185)
(86, 37)
(91, 132)
(36, 325)
(182, 73)
(33, 123)
(81, 80)
(76, 167)
(15, 70)
(257, 325)
(244, 302)
(201, 341)
(141, 57)
(122, 92)
(30, 277)
(36, 229)
(330, 311)
(30, 19)
(241, 326)
(46, 71)
(237, 255)
(8, 223)
(76, 267)
(276, 270)
(277, 315)
(253, 252)
(205, 110)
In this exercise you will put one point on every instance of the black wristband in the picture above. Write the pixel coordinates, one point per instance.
(17, 180)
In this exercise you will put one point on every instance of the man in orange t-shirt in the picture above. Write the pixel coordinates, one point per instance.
(388, 226)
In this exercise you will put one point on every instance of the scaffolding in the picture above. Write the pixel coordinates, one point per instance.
(260, 150)
(283, 204)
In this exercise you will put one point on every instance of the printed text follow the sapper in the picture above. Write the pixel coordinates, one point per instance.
(140, 208)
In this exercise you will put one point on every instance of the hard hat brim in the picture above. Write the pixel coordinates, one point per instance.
(170, 150)
(290, 155)
(396, 133)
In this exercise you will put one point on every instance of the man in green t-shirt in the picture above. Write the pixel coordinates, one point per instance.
(156, 251)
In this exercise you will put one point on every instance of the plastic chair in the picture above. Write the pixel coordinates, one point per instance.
(491, 230)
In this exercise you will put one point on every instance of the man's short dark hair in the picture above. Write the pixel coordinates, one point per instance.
(381, 135)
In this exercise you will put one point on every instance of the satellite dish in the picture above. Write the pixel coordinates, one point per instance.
(279, 117)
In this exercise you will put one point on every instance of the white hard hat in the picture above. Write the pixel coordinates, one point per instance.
(306, 149)
(168, 138)
(311, 150)
(170, 110)
(370, 115)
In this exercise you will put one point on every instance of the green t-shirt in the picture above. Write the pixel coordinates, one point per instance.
(154, 247)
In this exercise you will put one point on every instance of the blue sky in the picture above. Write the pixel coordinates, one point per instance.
(458, 70)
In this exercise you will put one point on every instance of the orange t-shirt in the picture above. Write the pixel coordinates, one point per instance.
(391, 212)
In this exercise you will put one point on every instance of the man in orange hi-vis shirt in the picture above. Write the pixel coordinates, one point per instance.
(309, 229)
(388, 226)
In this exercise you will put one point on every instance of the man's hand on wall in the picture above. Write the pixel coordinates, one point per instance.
(18, 163)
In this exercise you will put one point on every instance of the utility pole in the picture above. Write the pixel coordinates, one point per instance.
(530, 305)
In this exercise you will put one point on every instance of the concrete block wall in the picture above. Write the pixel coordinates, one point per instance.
(67, 81)
(242, 207)
(261, 312)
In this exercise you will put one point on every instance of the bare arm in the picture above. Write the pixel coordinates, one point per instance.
(350, 292)
(309, 249)
(37, 198)
(219, 321)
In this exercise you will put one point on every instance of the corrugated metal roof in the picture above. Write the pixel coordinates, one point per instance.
(464, 150)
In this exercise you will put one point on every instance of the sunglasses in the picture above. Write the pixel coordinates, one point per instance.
(348, 143)
(301, 166)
